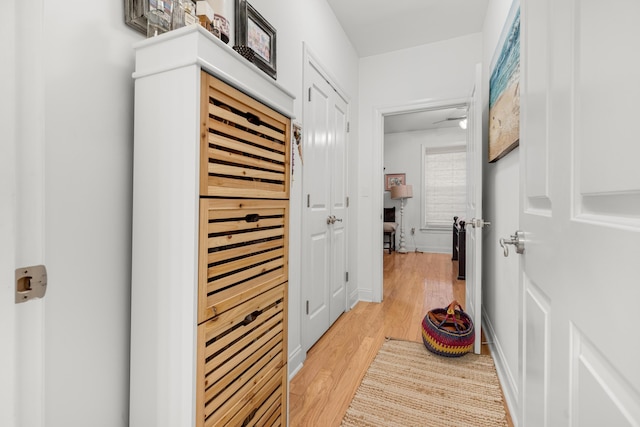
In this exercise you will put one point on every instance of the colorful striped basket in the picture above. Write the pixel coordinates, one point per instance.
(448, 331)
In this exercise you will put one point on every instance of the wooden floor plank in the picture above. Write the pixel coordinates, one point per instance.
(414, 283)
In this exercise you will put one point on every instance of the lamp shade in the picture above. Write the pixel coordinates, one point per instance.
(401, 191)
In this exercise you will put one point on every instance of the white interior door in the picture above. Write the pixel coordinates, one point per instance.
(475, 223)
(325, 220)
(21, 215)
(580, 213)
(338, 227)
(316, 248)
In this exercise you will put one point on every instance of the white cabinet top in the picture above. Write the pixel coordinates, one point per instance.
(193, 45)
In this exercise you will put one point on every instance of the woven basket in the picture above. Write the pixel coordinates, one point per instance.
(448, 331)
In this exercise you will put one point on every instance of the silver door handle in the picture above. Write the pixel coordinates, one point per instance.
(331, 219)
(516, 240)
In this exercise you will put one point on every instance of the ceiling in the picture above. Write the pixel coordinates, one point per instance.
(423, 120)
(379, 26)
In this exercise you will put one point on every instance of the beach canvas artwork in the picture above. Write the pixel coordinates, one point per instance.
(504, 89)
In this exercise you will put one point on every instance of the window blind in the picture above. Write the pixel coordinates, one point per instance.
(445, 181)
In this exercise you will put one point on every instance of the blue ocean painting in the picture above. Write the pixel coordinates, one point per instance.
(507, 66)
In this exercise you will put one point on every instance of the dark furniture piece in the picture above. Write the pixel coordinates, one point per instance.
(459, 246)
(389, 229)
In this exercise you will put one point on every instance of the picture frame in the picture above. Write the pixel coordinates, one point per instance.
(255, 32)
(504, 89)
(393, 179)
(134, 15)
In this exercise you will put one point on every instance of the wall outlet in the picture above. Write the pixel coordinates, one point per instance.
(413, 231)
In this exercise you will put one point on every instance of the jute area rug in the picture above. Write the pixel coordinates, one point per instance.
(406, 385)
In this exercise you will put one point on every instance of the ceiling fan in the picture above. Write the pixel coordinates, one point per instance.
(450, 119)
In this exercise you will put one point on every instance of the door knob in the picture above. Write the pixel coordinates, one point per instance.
(331, 219)
(516, 240)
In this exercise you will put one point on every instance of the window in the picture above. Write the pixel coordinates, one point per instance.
(445, 185)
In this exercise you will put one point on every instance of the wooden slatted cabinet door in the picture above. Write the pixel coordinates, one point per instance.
(245, 145)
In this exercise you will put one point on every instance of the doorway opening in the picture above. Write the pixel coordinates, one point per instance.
(410, 119)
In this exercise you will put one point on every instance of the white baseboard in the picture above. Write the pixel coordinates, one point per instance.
(365, 295)
(507, 378)
(296, 359)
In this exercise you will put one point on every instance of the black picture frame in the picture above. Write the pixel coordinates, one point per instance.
(255, 32)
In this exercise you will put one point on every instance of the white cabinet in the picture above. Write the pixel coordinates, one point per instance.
(210, 235)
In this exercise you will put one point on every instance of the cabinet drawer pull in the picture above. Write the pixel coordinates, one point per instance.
(252, 218)
(253, 119)
(251, 317)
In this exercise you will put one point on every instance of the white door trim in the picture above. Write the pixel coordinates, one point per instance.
(379, 114)
(25, 331)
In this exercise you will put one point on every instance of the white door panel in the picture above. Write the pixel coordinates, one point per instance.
(325, 217)
(338, 268)
(22, 381)
(316, 150)
(580, 213)
(473, 277)
(338, 178)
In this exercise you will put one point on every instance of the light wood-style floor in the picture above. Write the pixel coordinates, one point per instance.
(414, 283)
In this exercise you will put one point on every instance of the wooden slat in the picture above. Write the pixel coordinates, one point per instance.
(233, 187)
(236, 315)
(217, 214)
(245, 205)
(243, 225)
(240, 159)
(232, 144)
(231, 239)
(231, 117)
(218, 256)
(218, 284)
(221, 127)
(237, 171)
(244, 263)
(225, 300)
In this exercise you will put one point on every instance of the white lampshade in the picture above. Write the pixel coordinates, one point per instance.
(401, 191)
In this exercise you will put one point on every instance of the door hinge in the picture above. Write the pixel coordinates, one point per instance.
(346, 276)
(347, 201)
(307, 307)
(308, 200)
(348, 127)
(309, 94)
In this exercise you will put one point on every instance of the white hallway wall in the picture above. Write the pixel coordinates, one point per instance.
(500, 296)
(86, 110)
(429, 73)
(403, 154)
